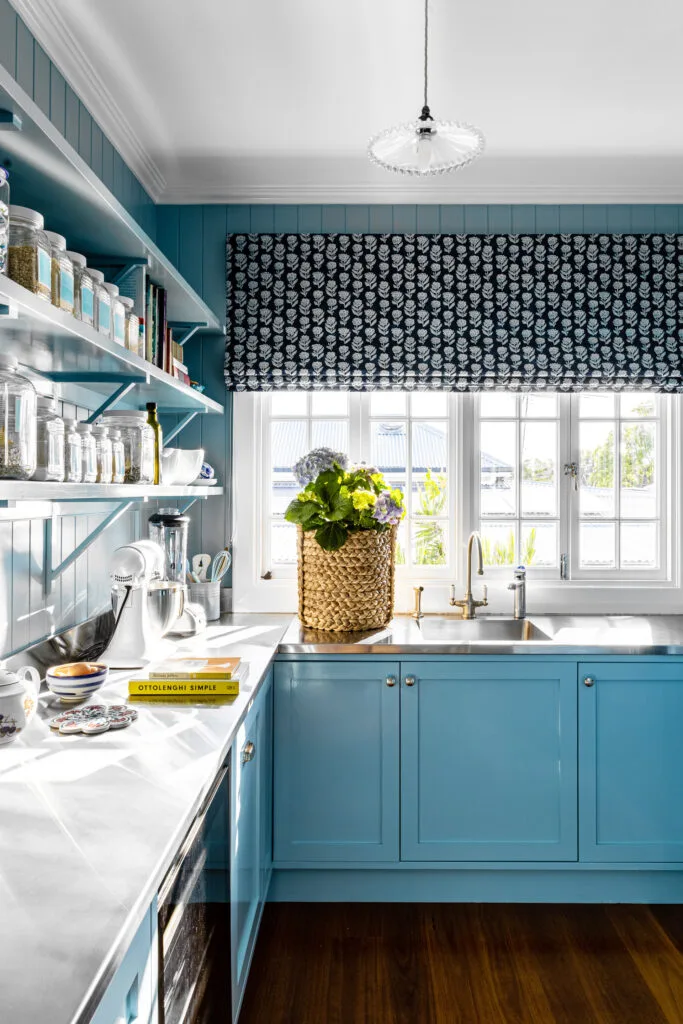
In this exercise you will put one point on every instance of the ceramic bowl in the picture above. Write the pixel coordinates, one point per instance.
(180, 466)
(76, 681)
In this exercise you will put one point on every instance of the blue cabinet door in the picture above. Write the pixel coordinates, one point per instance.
(488, 761)
(336, 771)
(132, 993)
(631, 761)
(250, 804)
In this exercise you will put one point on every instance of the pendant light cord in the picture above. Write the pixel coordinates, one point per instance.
(426, 49)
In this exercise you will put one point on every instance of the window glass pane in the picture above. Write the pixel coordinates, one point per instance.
(596, 405)
(597, 545)
(389, 449)
(538, 544)
(388, 403)
(288, 403)
(429, 465)
(332, 434)
(428, 403)
(429, 542)
(402, 543)
(638, 485)
(498, 543)
(330, 403)
(538, 405)
(638, 405)
(497, 403)
(596, 471)
(288, 442)
(282, 543)
(497, 471)
(539, 469)
(639, 545)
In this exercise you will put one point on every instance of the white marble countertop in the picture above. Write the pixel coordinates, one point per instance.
(89, 826)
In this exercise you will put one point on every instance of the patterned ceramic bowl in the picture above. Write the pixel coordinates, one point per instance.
(77, 680)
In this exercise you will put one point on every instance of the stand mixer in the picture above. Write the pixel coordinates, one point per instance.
(145, 603)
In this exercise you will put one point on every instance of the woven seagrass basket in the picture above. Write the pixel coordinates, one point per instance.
(348, 589)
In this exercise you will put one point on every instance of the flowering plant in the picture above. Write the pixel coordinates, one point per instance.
(338, 499)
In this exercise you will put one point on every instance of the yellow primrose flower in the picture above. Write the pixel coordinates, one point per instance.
(363, 500)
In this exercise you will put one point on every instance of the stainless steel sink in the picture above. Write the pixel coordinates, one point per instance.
(484, 630)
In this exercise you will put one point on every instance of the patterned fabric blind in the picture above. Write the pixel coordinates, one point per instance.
(454, 312)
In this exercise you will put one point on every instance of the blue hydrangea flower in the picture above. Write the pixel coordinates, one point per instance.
(387, 509)
(317, 461)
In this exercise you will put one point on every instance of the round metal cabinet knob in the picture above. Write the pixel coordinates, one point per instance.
(391, 680)
(589, 681)
(410, 680)
(248, 752)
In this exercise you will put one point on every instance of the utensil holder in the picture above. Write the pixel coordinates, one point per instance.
(208, 595)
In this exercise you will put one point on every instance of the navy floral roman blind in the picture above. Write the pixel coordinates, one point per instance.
(454, 312)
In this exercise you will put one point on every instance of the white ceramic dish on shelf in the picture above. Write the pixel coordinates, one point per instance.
(181, 466)
(201, 482)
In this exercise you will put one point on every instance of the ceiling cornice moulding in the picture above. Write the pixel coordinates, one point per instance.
(45, 21)
(417, 195)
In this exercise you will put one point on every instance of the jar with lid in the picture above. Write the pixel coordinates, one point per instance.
(138, 444)
(30, 261)
(88, 453)
(132, 333)
(118, 457)
(118, 314)
(50, 462)
(18, 427)
(84, 294)
(72, 455)
(62, 273)
(4, 218)
(102, 303)
(103, 449)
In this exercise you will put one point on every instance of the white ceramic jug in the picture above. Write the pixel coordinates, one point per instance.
(17, 701)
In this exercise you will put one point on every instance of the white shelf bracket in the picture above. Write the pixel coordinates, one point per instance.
(53, 572)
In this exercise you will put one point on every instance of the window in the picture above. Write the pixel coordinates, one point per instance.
(581, 489)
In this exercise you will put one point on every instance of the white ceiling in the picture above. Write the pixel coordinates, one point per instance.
(274, 100)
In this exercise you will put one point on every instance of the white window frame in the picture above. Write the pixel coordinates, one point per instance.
(591, 594)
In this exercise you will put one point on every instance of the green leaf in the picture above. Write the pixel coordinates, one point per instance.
(328, 484)
(341, 507)
(331, 536)
(301, 511)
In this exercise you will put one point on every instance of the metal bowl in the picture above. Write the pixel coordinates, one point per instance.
(165, 603)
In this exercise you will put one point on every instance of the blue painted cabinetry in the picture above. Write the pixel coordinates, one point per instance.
(488, 760)
(132, 992)
(251, 815)
(631, 761)
(337, 761)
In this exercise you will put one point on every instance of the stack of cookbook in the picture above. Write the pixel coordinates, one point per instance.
(187, 680)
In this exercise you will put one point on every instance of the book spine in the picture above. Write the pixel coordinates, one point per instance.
(179, 688)
(193, 677)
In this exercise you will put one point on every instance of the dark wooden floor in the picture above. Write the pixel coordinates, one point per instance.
(466, 964)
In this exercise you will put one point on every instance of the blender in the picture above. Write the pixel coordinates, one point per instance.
(169, 528)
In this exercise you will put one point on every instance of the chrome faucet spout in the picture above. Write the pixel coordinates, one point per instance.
(468, 604)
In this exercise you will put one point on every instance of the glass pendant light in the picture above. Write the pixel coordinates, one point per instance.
(427, 145)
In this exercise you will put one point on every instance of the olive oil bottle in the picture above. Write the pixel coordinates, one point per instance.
(153, 421)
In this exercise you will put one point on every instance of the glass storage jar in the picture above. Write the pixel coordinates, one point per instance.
(132, 326)
(102, 303)
(84, 295)
(29, 262)
(88, 454)
(62, 273)
(118, 457)
(17, 422)
(4, 218)
(138, 444)
(118, 314)
(50, 461)
(103, 448)
(72, 453)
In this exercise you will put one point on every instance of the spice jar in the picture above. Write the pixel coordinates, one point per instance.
(50, 461)
(62, 273)
(118, 457)
(102, 303)
(88, 453)
(132, 333)
(72, 455)
(103, 449)
(138, 444)
(17, 422)
(4, 218)
(84, 295)
(30, 262)
(118, 314)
